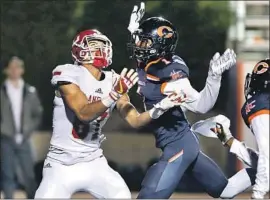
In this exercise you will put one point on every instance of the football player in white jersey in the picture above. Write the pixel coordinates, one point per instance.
(85, 95)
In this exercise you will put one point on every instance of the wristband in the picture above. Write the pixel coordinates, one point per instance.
(156, 112)
(111, 99)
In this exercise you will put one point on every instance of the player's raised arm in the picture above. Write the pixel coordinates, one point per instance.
(136, 119)
(135, 17)
(78, 103)
(202, 102)
(66, 81)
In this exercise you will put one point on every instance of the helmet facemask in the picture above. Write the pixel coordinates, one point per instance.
(142, 47)
(146, 48)
(247, 88)
(96, 50)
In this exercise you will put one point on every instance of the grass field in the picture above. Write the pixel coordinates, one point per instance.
(20, 195)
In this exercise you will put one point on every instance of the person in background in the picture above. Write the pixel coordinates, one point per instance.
(21, 113)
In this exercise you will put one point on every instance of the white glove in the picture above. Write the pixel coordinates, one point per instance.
(206, 127)
(135, 17)
(18, 138)
(167, 103)
(121, 84)
(125, 81)
(219, 64)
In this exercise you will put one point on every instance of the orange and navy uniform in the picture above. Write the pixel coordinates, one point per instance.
(152, 77)
(256, 105)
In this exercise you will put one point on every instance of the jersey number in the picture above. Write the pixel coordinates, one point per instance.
(80, 129)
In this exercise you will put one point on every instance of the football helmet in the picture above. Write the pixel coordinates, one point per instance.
(259, 80)
(155, 38)
(92, 47)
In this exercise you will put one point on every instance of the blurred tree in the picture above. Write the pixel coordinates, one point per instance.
(36, 31)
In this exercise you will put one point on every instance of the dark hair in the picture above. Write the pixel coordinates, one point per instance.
(15, 58)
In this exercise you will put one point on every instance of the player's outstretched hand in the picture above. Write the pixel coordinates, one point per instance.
(135, 17)
(124, 82)
(223, 134)
(171, 100)
(165, 104)
(121, 85)
(219, 64)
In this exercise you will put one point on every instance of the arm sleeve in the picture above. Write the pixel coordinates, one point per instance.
(244, 153)
(198, 102)
(260, 128)
(65, 73)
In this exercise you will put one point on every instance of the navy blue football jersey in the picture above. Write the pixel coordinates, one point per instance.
(256, 105)
(172, 124)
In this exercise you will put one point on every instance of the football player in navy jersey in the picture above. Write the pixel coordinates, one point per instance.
(162, 73)
(255, 113)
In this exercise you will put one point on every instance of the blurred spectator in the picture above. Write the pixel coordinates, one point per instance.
(21, 113)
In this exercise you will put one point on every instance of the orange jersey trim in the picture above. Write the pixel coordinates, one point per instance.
(151, 63)
(162, 87)
(152, 77)
(173, 158)
(260, 112)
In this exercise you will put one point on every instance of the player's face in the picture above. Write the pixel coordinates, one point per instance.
(143, 43)
(142, 47)
(99, 49)
(15, 70)
(96, 47)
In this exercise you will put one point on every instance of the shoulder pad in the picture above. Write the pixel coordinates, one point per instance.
(256, 105)
(179, 60)
(177, 69)
(110, 73)
(66, 73)
(168, 70)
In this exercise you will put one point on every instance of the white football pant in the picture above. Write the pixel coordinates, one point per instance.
(95, 177)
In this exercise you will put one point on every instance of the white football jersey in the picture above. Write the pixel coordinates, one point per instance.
(72, 140)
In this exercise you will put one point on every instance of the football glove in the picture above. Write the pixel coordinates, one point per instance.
(219, 64)
(124, 82)
(135, 17)
(121, 84)
(223, 134)
(167, 103)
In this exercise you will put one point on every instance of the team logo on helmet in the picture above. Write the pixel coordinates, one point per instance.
(165, 31)
(260, 68)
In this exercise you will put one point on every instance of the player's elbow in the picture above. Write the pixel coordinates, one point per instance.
(203, 110)
(86, 115)
(83, 118)
(134, 124)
